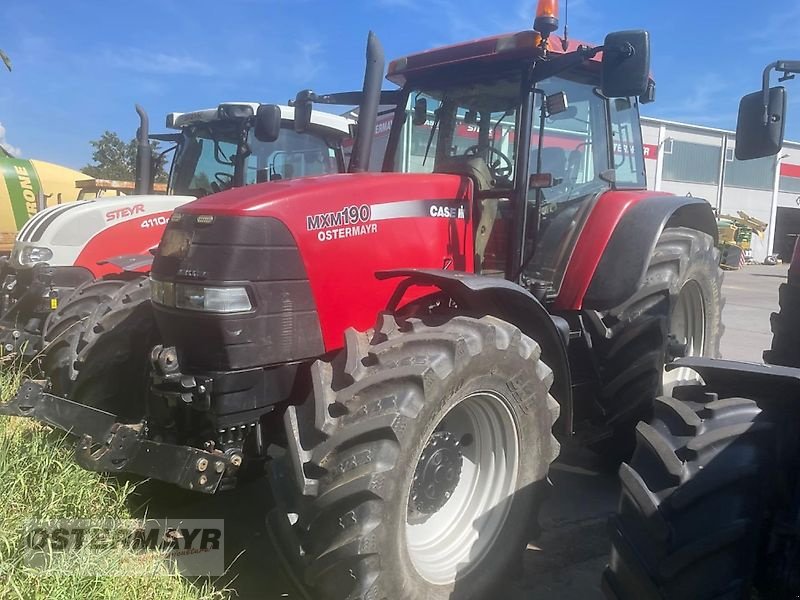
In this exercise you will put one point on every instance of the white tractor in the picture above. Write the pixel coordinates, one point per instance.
(90, 250)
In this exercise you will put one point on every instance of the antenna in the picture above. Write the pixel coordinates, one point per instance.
(565, 39)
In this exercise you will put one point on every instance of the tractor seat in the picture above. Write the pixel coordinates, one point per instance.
(554, 161)
(473, 167)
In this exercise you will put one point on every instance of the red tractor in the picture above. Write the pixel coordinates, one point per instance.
(418, 340)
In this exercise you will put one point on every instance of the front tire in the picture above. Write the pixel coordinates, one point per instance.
(102, 359)
(430, 442)
(694, 495)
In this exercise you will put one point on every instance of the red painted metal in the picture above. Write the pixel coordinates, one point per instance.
(134, 236)
(592, 243)
(522, 45)
(406, 228)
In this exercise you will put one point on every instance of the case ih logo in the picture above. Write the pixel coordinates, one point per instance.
(124, 212)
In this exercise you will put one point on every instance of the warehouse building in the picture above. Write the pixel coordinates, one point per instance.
(686, 159)
(699, 161)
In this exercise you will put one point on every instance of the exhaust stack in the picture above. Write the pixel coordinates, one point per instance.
(144, 154)
(368, 109)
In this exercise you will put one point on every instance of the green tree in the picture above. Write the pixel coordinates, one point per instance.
(115, 159)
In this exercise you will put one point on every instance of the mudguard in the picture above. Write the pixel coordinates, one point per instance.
(130, 263)
(481, 295)
(613, 251)
(742, 379)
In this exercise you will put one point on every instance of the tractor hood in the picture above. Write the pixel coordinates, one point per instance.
(62, 234)
(292, 199)
(334, 232)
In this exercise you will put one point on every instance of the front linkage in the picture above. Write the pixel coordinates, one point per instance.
(107, 446)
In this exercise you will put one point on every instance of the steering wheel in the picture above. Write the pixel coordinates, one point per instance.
(500, 168)
(225, 180)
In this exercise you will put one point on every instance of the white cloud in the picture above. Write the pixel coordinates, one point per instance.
(158, 63)
(13, 150)
(701, 102)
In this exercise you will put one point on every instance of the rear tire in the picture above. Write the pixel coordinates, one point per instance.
(102, 361)
(785, 324)
(632, 341)
(374, 522)
(691, 513)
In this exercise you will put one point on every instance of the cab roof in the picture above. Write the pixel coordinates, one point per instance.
(178, 120)
(521, 45)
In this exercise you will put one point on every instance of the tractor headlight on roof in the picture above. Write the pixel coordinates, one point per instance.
(31, 255)
(213, 299)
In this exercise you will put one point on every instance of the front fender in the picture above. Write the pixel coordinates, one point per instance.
(481, 295)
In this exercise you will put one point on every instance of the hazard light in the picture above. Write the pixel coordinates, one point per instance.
(546, 21)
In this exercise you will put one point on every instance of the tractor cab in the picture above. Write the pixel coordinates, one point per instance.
(539, 141)
(220, 148)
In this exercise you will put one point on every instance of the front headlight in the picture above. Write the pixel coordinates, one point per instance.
(31, 255)
(223, 300)
(162, 292)
(212, 299)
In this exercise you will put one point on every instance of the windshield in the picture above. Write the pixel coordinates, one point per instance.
(445, 125)
(471, 121)
(211, 156)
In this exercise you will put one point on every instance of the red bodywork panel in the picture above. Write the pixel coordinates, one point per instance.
(591, 244)
(135, 236)
(522, 45)
(390, 221)
(394, 221)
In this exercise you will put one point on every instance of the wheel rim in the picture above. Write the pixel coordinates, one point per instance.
(687, 332)
(450, 535)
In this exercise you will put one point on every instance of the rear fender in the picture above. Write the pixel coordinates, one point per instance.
(481, 295)
(130, 263)
(614, 249)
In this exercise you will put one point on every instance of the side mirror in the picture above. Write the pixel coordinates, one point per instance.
(754, 139)
(268, 123)
(303, 104)
(420, 111)
(626, 64)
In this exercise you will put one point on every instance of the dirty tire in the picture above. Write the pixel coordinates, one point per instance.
(630, 341)
(692, 503)
(77, 306)
(785, 324)
(378, 408)
(103, 361)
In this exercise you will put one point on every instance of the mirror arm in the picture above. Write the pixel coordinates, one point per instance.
(565, 62)
(789, 68)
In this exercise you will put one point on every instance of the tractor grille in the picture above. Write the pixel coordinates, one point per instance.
(257, 252)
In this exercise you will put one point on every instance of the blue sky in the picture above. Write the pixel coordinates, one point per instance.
(79, 66)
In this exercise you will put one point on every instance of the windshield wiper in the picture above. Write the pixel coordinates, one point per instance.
(438, 114)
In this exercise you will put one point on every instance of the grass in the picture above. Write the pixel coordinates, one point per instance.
(40, 480)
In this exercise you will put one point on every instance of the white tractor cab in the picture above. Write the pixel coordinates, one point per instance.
(64, 248)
